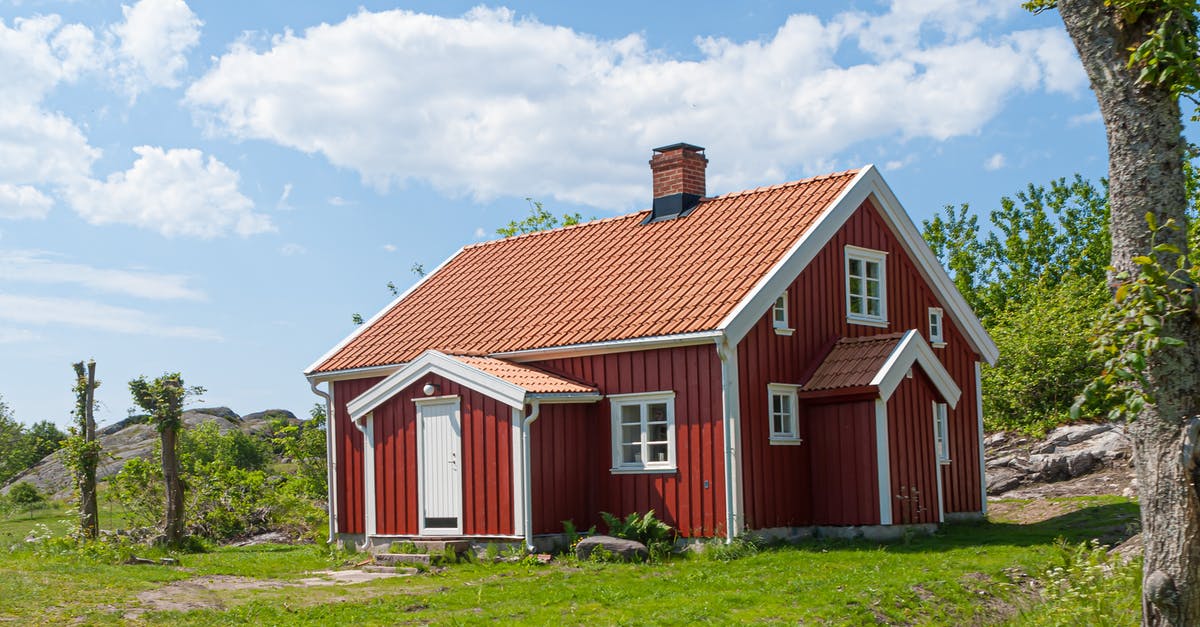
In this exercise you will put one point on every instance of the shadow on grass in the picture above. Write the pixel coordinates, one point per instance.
(1109, 523)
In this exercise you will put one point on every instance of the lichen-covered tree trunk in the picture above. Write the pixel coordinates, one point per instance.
(174, 488)
(1146, 153)
(89, 512)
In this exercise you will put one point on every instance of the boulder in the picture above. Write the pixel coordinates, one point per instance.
(627, 550)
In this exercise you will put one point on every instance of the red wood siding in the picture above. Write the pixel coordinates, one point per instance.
(582, 437)
(348, 453)
(486, 461)
(844, 481)
(817, 310)
(911, 451)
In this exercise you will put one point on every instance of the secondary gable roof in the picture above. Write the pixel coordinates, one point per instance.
(617, 280)
(880, 362)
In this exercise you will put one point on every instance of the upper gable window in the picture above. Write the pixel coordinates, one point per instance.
(643, 427)
(936, 334)
(866, 286)
(779, 315)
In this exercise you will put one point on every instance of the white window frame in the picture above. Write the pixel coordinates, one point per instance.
(937, 328)
(866, 256)
(788, 392)
(780, 310)
(618, 401)
(941, 432)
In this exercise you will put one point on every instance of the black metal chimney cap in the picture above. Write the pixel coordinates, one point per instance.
(682, 145)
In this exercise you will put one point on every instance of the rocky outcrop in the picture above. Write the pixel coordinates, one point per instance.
(135, 438)
(1070, 452)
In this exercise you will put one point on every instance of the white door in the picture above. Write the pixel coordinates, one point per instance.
(440, 468)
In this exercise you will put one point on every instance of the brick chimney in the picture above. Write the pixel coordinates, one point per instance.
(678, 172)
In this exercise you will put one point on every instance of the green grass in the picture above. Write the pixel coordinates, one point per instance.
(963, 575)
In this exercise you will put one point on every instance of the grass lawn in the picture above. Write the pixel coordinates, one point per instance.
(966, 574)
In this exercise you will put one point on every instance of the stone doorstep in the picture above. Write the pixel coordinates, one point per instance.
(440, 546)
(391, 559)
(395, 570)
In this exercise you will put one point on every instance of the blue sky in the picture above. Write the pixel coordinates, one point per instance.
(216, 189)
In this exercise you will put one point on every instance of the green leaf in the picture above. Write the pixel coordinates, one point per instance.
(1172, 341)
(1142, 260)
(1151, 221)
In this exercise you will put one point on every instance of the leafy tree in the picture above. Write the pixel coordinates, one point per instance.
(26, 496)
(1142, 57)
(163, 399)
(82, 454)
(539, 219)
(304, 444)
(21, 447)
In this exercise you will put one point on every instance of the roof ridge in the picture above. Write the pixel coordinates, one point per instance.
(555, 230)
(778, 186)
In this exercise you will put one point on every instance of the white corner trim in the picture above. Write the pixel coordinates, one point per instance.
(746, 314)
(364, 326)
(883, 462)
(911, 349)
(368, 430)
(443, 365)
(732, 437)
(979, 418)
(518, 473)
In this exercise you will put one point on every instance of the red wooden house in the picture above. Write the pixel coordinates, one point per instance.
(782, 358)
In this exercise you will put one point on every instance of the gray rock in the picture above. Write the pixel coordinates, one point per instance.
(627, 550)
(1080, 463)
(1002, 481)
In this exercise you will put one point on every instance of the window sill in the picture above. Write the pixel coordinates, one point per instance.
(786, 441)
(644, 471)
(784, 331)
(870, 322)
(938, 344)
(944, 462)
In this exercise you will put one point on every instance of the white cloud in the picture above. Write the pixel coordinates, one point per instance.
(175, 192)
(480, 233)
(995, 162)
(489, 104)
(391, 248)
(85, 314)
(152, 43)
(292, 249)
(282, 204)
(22, 202)
(14, 336)
(1085, 118)
(34, 266)
(338, 201)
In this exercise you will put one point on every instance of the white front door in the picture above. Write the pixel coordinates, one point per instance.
(439, 451)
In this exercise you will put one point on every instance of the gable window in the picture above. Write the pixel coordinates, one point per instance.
(781, 410)
(779, 315)
(941, 433)
(866, 286)
(935, 327)
(643, 427)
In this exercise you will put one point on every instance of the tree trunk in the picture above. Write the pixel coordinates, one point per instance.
(174, 489)
(89, 514)
(1146, 153)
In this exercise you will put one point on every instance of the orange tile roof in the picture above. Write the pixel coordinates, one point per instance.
(611, 279)
(533, 380)
(853, 362)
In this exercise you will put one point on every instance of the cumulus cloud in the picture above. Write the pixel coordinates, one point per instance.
(22, 202)
(53, 311)
(35, 266)
(490, 104)
(152, 43)
(995, 162)
(175, 192)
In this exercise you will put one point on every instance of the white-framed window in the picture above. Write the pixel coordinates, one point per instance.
(935, 327)
(866, 286)
(941, 433)
(779, 312)
(782, 413)
(643, 427)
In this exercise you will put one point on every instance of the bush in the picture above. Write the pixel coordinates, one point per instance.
(744, 545)
(658, 536)
(25, 497)
(1089, 587)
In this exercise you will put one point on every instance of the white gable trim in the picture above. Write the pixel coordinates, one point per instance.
(364, 326)
(448, 367)
(868, 183)
(911, 349)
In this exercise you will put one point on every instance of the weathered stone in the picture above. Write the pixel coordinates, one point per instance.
(1001, 462)
(391, 559)
(1078, 464)
(627, 550)
(1002, 481)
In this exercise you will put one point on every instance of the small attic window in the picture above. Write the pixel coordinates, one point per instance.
(936, 336)
(779, 315)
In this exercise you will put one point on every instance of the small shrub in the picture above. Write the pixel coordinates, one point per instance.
(573, 535)
(26, 497)
(404, 547)
(744, 545)
(657, 535)
(1090, 586)
(491, 552)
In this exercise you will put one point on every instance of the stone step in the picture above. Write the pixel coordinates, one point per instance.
(391, 559)
(440, 546)
(396, 570)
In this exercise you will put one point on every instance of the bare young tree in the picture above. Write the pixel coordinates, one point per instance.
(83, 451)
(163, 399)
(1141, 58)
